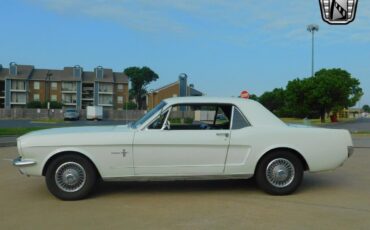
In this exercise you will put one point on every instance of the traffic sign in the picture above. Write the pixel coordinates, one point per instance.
(244, 94)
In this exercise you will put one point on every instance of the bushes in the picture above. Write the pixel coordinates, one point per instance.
(54, 105)
(35, 105)
(130, 105)
(44, 105)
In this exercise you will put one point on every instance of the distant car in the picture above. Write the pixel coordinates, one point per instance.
(184, 138)
(71, 114)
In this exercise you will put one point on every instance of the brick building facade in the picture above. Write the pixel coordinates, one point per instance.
(72, 86)
(178, 88)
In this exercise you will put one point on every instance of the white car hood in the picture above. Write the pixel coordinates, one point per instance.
(71, 136)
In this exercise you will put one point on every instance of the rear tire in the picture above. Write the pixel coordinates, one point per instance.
(70, 177)
(279, 173)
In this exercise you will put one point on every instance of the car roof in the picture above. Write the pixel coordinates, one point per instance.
(203, 99)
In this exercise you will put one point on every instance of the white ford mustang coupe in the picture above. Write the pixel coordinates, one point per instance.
(184, 138)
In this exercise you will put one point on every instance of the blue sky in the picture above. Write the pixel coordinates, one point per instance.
(225, 46)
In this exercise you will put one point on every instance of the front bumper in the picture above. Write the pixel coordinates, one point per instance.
(18, 162)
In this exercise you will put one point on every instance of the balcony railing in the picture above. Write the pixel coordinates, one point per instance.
(69, 89)
(19, 89)
(69, 102)
(106, 91)
(18, 102)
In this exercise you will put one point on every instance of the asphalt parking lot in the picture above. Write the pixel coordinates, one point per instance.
(329, 200)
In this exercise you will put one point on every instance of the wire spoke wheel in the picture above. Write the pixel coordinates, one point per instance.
(280, 172)
(70, 177)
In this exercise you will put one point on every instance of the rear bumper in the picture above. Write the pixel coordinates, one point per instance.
(350, 151)
(18, 162)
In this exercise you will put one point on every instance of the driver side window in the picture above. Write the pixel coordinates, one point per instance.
(199, 117)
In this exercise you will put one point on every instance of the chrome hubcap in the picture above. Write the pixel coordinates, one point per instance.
(280, 172)
(70, 177)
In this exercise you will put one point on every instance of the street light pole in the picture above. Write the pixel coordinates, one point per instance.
(312, 28)
(47, 87)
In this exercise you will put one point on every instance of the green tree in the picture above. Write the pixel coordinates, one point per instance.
(334, 88)
(140, 78)
(366, 108)
(328, 90)
(130, 105)
(274, 100)
(296, 95)
(253, 97)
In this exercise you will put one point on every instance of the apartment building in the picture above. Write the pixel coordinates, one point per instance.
(72, 86)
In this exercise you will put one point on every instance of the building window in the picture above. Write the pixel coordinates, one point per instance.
(107, 88)
(54, 85)
(36, 97)
(19, 98)
(36, 85)
(53, 97)
(105, 99)
(69, 86)
(18, 85)
(69, 98)
(119, 99)
(120, 87)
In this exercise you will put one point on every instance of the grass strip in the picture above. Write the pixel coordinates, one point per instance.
(19, 131)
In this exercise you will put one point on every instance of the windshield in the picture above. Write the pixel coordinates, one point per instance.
(148, 115)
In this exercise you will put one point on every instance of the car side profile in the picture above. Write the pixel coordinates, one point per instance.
(184, 138)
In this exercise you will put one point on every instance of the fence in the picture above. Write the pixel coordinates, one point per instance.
(57, 114)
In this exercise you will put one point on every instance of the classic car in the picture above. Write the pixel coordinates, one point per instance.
(184, 138)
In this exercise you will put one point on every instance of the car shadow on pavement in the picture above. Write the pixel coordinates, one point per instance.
(311, 182)
(322, 181)
(183, 187)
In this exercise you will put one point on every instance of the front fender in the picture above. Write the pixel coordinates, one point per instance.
(63, 150)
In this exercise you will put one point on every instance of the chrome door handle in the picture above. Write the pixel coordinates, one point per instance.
(222, 134)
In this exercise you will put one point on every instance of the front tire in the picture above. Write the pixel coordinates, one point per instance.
(279, 173)
(70, 177)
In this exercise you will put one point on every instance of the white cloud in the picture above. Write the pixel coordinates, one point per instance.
(280, 19)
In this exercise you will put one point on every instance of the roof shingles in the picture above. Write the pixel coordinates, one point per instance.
(27, 72)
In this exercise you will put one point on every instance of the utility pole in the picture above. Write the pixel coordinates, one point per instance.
(312, 28)
(48, 86)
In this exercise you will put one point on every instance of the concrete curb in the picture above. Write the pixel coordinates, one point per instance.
(8, 144)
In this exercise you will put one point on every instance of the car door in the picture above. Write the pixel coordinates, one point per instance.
(185, 140)
(240, 147)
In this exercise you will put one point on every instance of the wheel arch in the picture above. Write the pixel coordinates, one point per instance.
(68, 152)
(287, 149)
